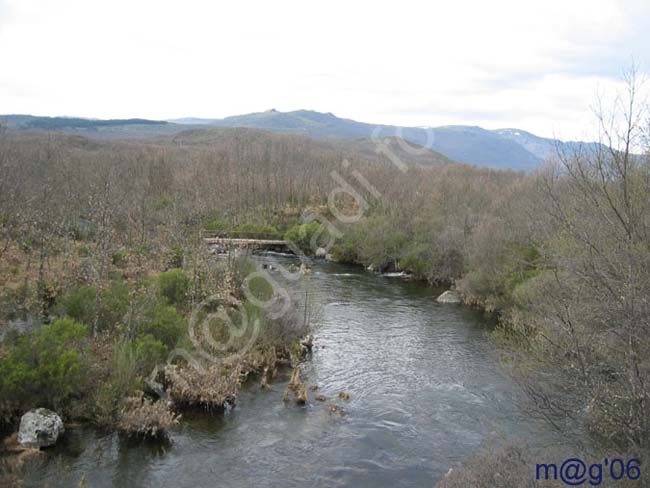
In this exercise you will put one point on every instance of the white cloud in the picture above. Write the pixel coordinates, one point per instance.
(499, 63)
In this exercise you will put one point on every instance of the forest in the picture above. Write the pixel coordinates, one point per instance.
(102, 262)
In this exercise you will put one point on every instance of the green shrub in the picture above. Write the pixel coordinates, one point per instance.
(114, 304)
(164, 323)
(106, 401)
(258, 231)
(149, 352)
(44, 368)
(215, 225)
(302, 235)
(119, 257)
(346, 250)
(524, 263)
(174, 286)
(80, 304)
(418, 259)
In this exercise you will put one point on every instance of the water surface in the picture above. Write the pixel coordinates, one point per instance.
(426, 392)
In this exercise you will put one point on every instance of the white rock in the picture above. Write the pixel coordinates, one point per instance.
(40, 428)
(449, 296)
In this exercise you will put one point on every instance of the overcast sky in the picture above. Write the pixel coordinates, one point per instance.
(534, 65)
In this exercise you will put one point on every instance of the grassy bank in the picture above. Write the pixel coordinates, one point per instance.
(87, 348)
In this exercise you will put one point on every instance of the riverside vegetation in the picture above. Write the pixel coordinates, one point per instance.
(102, 261)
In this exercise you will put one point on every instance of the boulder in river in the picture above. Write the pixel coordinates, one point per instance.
(450, 296)
(40, 428)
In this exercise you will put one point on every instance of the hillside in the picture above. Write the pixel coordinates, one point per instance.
(95, 128)
(541, 147)
(502, 149)
(354, 149)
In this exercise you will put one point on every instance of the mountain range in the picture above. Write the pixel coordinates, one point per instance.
(502, 148)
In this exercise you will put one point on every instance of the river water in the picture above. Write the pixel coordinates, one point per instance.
(426, 392)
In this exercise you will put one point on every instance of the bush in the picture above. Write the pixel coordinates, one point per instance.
(348, 247)
(302, 235)
(80, 304)
(44, 368)
(119, 257)
(123, 380)
(146, 419)
(164, 323)
(174, 286)
(114, 304)
(261, 231)
(507, 466)
(149, 352)
(419, 259)
(215, 225)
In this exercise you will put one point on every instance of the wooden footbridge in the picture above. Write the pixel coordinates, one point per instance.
(246, 240)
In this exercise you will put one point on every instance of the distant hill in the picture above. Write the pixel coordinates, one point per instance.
(503, 148)
(96, 128)
(544, 148)
(354, 149)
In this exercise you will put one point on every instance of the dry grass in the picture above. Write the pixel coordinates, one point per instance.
(212, 389)
(511, 466)
(143, 418)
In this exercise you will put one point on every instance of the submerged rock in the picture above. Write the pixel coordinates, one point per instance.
(449, 296)
(306, 344)
(301, 395)
(333, 408)
(40, 428)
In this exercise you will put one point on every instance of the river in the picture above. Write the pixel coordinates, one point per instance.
(426, 392)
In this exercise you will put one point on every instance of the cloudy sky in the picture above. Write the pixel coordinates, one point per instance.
(533, 65)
